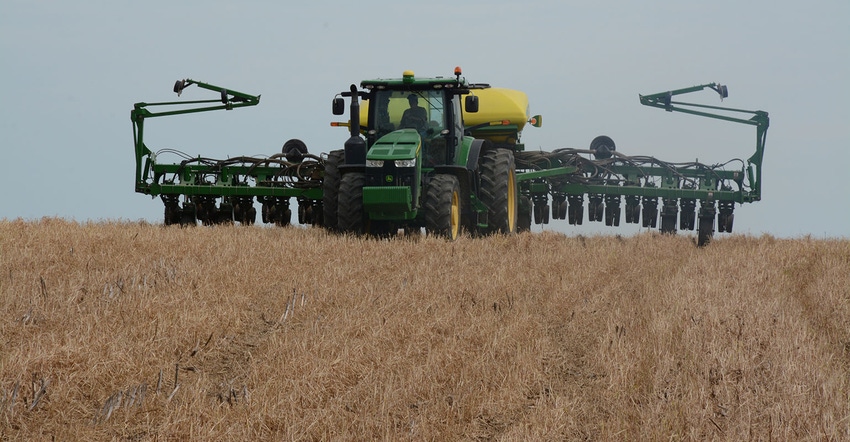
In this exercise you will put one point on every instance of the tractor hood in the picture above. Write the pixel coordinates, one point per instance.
(402, 144)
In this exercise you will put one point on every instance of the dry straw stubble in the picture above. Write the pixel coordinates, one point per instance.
(137, 331)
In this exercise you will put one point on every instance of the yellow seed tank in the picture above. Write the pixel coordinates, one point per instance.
(497, 104)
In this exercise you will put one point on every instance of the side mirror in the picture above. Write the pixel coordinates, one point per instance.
(338, 106)
(471, 104)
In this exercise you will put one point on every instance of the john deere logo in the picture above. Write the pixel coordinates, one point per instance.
(389, 178)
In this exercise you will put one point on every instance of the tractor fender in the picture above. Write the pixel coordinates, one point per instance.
(346, 168)
(463, 176)
(475, 149)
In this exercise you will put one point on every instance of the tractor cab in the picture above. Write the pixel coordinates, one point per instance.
(423, 112)
(427, 107)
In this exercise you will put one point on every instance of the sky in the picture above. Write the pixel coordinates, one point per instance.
(71, 72)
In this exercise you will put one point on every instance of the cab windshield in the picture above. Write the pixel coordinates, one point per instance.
(423, 111)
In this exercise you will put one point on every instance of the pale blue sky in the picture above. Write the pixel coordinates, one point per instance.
(71, 72)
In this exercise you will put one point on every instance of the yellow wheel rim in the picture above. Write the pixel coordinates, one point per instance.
(512, 202)
(455, 220)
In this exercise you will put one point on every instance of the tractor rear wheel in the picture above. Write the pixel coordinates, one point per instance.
(330, 189)
(443, 207)
(498, 190)
(350, 215)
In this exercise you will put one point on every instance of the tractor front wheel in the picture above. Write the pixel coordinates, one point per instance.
(443, 207)
(330, 189)
(350, 215)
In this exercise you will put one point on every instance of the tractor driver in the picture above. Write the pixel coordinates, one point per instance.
(384, 125)
(415, 117)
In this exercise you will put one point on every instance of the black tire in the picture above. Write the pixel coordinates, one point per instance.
(498, 190)
(172, 213)
(243, 210)
(302, 213)
(538, 213)
(650, 212)
(523, 223)
(576, 209)
(632, 210)
(705, 231)
(187, 215)
(276, 210)
(205, 210)
(282, 216)
(595, 208)
(668, 224)
(443, 207)
(224, 214)
(294, 150)
(612, 215)
(669, 212)
(687, 214)
(330, 190)
(602, 147)
(350, 215)
(265, 212)
(573, 215)
(591, 210)
(636, 214)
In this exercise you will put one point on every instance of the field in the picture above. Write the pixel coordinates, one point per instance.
(131, 331)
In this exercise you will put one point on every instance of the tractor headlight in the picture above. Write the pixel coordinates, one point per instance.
(374, 163)
(406, 163)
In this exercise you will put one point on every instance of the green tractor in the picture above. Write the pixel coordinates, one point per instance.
(419, 165)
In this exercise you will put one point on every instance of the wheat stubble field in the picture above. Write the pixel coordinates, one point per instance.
(131, 331)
